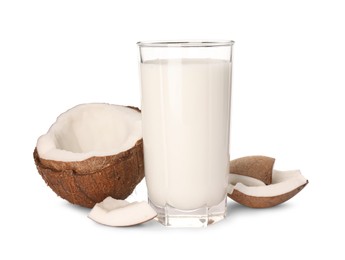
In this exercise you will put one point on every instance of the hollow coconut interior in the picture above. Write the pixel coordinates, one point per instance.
(282, 182)
(89, 130)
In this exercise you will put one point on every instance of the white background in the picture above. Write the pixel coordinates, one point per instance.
(288, 103)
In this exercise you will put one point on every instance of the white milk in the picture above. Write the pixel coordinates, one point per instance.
(186, 113)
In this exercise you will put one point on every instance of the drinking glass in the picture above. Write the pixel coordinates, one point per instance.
(186, 101)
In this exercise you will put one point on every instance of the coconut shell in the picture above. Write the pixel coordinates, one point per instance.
(263, 202)
(258, 167)
(90, 181)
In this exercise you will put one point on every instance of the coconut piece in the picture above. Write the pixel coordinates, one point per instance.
(92, 151)
(120, 213)
(258, 167)
(286, 184)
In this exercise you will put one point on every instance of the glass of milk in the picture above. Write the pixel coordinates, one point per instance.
(186, 100)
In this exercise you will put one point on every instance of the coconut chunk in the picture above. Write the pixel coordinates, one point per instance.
(285, 185)
(120, 213)
(258, 167)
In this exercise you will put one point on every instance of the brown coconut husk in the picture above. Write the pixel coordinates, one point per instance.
(88, 182)
(258, 167)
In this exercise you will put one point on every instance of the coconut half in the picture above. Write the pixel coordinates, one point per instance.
(91, 152)
(255, 193)
(120, 213)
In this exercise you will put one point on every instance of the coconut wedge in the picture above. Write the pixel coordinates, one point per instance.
(254, 193)
(120, 213)
(91, 152)
(258, 167)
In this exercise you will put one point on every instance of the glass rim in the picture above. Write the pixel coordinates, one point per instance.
(185, 43)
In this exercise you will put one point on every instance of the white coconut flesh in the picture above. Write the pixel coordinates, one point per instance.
(89, 130)
(246, 180)
(282, 182)
(120, 213)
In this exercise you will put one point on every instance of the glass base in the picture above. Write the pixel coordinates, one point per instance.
(201, 217)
